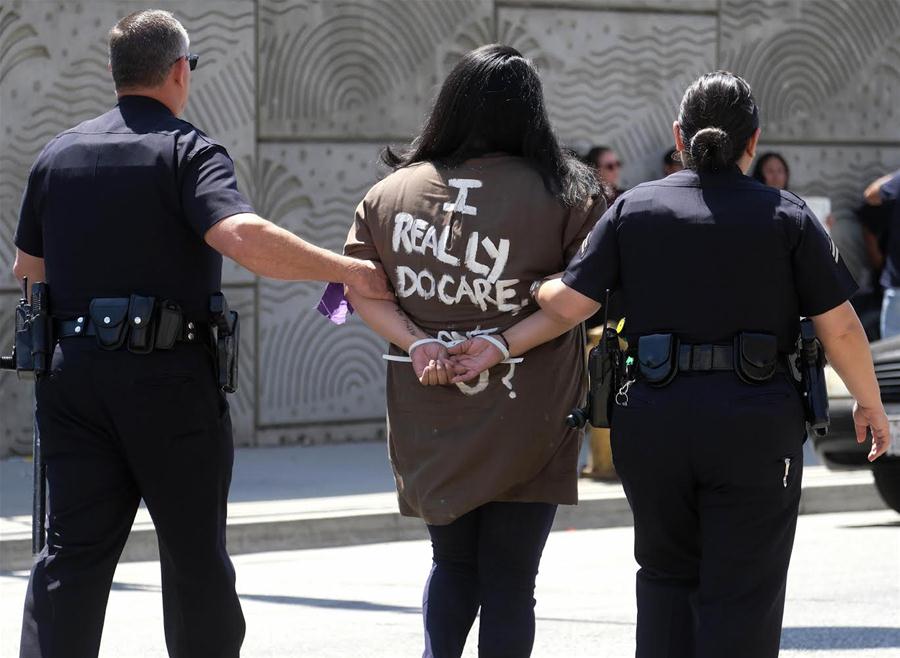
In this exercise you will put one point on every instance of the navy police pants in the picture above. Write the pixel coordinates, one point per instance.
(487, 558)
(117, 428)
(712, 468)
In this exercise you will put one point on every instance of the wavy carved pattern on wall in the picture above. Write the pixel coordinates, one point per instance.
(355, 68)
(16, 397)
(310, 370)
(820, 69)
(69, 82)
(615, 78)
(18, 42)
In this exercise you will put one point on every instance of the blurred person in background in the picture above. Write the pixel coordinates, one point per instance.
(875, 225)
(671, 162)
(608, 167)
(884, 192)
(772, 169)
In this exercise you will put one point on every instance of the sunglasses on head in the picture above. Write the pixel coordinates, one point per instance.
(191, 60)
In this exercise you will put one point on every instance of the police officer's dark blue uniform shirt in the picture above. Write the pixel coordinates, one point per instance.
(144, 234)
(707, 263)
(890, 195)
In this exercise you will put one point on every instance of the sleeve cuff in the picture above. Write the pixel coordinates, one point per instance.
(571, 280)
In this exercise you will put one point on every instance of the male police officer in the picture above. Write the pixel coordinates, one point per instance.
(127, 215)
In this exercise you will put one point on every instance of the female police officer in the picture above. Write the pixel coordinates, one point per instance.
(716, 270)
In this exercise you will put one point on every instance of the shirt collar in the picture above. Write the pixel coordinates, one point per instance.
(727, 176)
(143, 104)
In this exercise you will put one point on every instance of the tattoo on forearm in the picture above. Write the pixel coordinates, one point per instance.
(410, 325)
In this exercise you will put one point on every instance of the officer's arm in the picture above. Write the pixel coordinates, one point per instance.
(271, 251)
(29, 266)
(564, 304)
(847, 349)
(872, 195)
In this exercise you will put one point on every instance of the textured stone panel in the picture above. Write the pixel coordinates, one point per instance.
(840, 173)
(820, 69)
(53, 75)
(309, 370)
(243, 403)
(16, 397)
(614, 78)
(359, 69)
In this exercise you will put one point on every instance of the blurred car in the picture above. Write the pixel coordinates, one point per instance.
(839, 450)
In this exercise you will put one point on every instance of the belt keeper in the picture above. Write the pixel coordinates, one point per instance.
(701, 357)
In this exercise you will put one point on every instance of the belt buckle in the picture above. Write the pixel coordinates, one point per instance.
(701, 357)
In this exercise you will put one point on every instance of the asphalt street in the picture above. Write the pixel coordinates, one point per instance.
(364, 601)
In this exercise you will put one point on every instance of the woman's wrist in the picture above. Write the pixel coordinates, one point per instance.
(502, 337)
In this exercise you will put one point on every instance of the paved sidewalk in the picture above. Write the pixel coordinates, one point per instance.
(298, 497)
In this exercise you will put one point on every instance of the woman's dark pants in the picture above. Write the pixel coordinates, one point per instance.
(486, 559)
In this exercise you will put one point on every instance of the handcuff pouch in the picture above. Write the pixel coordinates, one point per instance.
(658, 358)
(755, 357)
(108, 315)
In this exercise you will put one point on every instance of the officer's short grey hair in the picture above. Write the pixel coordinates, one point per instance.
(143, 46)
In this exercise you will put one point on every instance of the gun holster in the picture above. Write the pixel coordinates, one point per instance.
(811, 364)
(228, 335)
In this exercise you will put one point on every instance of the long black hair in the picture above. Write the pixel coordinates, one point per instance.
(765, 157)
(493, 101)
(718, 115)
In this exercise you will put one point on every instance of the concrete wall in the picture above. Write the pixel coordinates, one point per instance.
(305, 92)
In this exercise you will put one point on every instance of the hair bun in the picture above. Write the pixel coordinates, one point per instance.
(710, 149)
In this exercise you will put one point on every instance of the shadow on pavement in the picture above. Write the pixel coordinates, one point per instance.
(839, 637)
(343, 604)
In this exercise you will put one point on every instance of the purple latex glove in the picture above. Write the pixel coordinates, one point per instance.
(334, 305)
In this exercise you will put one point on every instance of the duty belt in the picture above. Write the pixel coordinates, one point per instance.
(190, 332)
(752, 356)
(701, 358)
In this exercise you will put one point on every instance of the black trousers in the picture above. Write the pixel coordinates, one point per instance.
(487, 558)
(703, 464)
(117, 428)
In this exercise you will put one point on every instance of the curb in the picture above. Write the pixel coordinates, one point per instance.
(246, 535)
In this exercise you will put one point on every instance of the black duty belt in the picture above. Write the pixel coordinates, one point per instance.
(701, 358)
(191, 332)
(705, 357)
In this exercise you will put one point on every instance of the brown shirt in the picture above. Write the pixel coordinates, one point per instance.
(462, 246)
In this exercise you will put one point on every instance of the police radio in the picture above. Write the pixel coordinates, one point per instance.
(605, 365)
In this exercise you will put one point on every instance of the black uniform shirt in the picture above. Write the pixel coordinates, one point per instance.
(119, 205)
(708, 256)
(890, 194)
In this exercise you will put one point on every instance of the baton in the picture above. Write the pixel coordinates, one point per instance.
(39, 497)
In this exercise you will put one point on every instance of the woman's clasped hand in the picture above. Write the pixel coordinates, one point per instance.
(438, 364)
